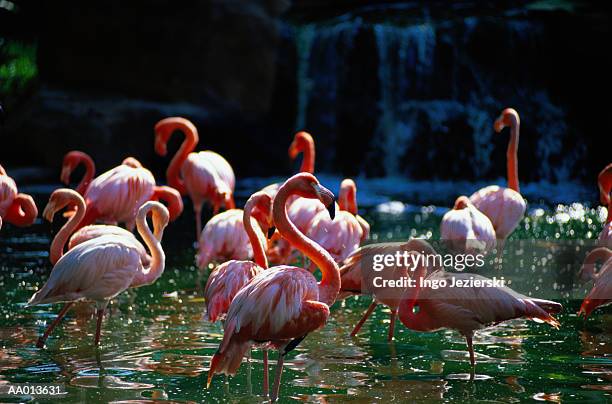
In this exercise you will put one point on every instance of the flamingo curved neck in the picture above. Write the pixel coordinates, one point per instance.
(511, 153)
(90, 170)
(22, 212)
(348, 199)
(308, 158)
(173, 174)
(259, 254)
(330, 281)
(158, 258)
(59, 242)
(172, 199)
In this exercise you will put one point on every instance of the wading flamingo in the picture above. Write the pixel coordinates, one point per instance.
(205, 176)
(101, 268)
(505, 207)
(343, 235)
(601, 293)
(116, 195)
(347, 200)
(467, 309)
(225, 238)
(604, 181)
(283, 304)
(357, 277)
(231, 276)
(465, 229)
(64, 197)
(18, 209)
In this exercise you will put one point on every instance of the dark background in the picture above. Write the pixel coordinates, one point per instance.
(386, 88)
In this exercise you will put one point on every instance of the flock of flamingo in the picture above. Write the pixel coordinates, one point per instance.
(276, 307)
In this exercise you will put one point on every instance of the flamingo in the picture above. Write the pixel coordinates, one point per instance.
(505, 207)
(225, 237)
(64, 197)
(605, 186)
(465, 229)
(343, 235)
(72, 160)
(99, 269)
(347, 200)
(467, 309)
(116, 195)
(16, 208)
(283, 304)
(357, 278)
(601, 293)
(231, 276)
(206, 176)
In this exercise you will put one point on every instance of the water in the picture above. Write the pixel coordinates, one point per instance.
(156, 347)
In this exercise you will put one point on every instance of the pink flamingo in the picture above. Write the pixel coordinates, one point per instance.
(467, 309)
(116, 195)
(101, 268)
(605, 186)
(357, 279)
(282, 304)
(231, 276)
(225, 237)
(465, 229)
(72, 160)
(64, 197)
(16, 208)
(347, 200)
(601, 293)
(205, 176)
(343, 235)
(505, 207)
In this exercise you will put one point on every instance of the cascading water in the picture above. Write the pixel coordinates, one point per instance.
(434, 98)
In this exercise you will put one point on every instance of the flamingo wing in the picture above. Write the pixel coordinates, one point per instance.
(98, 270)
(98, 230)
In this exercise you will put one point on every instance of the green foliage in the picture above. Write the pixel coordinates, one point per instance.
(17, 67)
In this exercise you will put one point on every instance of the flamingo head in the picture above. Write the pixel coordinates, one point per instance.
(604, 181)
(301, 141)
(131, 162)
(306, 185)
(71, 161)
(508, 117)
(159, 214)
(59, 199)
(461, 203)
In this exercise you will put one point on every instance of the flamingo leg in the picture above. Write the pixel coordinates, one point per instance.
(197, 210)
(41, 341)
(265, 375)
(392, 325)
(468, 339)
(364, 318)
(277, 377)
(99, 325)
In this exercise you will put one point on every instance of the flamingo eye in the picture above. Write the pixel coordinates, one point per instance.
(416, 309)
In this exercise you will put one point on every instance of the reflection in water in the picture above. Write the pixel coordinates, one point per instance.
(156, 348)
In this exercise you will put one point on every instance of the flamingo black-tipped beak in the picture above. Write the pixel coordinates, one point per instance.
(331, 208)
(271, 231)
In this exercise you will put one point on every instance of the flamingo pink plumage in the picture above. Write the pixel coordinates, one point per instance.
(224, 236)
(116, 195)
(205, 176)
(16, 208)
(64, 197)
(467, 309)
(282, 304)
(101, 268)
(601, 293)
(357, 277)
(465, 229)
(347, 200)
(505, 207)
(604, 181)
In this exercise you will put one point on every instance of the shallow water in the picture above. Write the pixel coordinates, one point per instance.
(156, 347)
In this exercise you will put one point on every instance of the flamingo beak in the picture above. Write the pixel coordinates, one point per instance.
(65, 175)
(271, 231)
(49, 211)
(331, 208)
